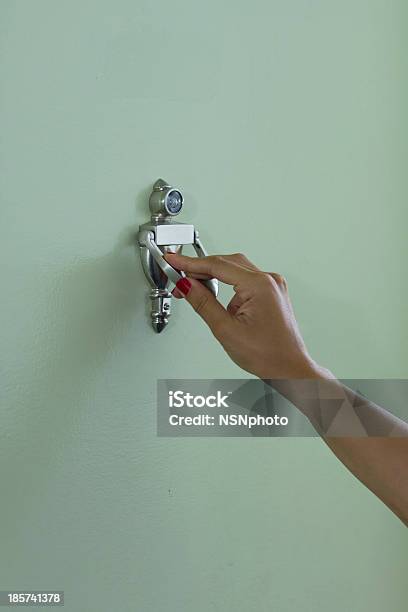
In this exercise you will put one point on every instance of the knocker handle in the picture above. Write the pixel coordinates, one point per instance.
(160, 236)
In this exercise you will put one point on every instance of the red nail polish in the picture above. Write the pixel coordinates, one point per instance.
(176, 293)
(183, 285)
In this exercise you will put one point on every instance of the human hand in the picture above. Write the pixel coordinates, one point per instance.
(258, 328)
(259, 332)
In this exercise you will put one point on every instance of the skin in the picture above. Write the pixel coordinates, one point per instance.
(259, 332)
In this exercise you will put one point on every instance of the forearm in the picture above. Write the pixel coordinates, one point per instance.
(371, 442)
(259, 332)
(381, 464)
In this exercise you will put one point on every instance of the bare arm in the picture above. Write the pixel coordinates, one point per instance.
(380, 461)
(258, 330)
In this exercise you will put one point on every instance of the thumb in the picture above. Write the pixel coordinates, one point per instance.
(204, 303)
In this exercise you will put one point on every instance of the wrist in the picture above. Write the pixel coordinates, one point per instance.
(311, 369)
(305, 368)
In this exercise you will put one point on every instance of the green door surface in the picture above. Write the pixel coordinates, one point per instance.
(284, 122)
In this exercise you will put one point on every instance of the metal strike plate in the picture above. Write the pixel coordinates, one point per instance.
(158, 236)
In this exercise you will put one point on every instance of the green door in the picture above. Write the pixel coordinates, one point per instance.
(285, 125)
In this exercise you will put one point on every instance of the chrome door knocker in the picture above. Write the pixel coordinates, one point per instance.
(163, 235)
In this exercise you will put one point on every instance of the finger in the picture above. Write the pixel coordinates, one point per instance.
(242, 260)
(176, 293)
(215, 266)
(199, 276)
(279, 279)
(237, 258)
(205, 304)
(235, 303)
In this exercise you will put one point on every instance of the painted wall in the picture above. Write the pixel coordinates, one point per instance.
(285, 123)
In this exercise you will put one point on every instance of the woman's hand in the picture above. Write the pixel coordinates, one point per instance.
(258, 328)
(259, 331)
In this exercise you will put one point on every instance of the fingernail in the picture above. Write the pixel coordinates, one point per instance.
(183, 285)
(176, 293)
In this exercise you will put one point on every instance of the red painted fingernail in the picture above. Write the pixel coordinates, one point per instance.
(183, 285)
(176, 293)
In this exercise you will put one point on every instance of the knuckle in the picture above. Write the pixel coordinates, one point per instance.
(210, 263)
(242, 259)
(282, 281)
(279, 279)
(264, 278)
(215, 261)
(201, 304)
